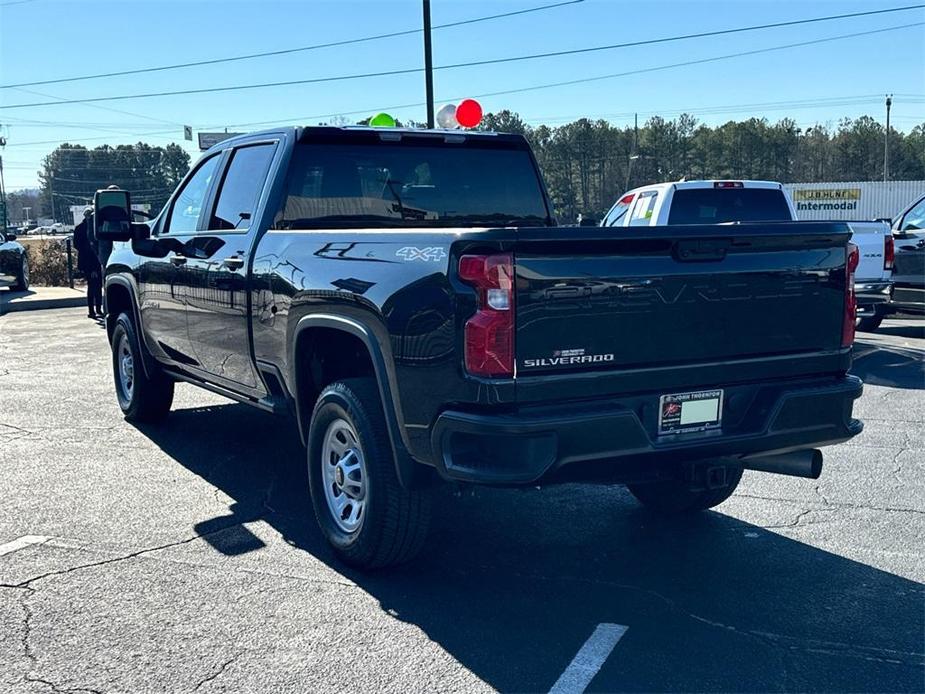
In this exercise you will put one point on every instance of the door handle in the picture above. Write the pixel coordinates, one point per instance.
(178, 259)
(233, 262)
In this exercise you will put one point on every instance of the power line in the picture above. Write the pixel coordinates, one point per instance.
(406, 71)
(593, 79)
(833, 101)
(560, 84)
(158, 134)
(705, 34)
(734, 108)
(102, 108)
(286, 51)
(693, 62)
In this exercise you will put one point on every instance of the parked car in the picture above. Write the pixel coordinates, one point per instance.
(735, 202)
(14, 263)
(408, 296)
(909, 270)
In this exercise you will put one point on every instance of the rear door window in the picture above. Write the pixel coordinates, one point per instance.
(244, 181)
(719, 205)
(643, 210)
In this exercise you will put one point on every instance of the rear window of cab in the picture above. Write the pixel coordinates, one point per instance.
(723, 205)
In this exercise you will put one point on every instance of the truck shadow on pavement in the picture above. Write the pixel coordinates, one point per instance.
(888, 365)
(512, 582)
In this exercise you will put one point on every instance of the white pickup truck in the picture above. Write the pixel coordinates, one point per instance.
(731, 202)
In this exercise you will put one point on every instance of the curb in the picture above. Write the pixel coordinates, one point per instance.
(8, 305)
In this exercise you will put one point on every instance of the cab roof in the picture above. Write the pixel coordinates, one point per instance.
(706, 183)
(320, 133)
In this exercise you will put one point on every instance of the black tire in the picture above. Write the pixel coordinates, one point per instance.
(150, 396)
(869, 324)
(22, 279)
(676, 496)
(394, 521)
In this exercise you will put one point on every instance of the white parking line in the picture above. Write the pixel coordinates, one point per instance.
(22, 542)
(589, 659)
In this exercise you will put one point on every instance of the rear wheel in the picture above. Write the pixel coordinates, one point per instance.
(364, 512)
(680, 496)
(869, 324)
(142, 397)
(22, 279)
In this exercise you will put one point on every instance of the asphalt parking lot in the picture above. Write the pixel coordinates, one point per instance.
(184, 558)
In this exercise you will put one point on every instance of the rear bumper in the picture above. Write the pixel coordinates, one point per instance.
(907, 299)
(870, 295)
(523, 447)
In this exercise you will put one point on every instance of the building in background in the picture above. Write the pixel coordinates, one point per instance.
(854, 200)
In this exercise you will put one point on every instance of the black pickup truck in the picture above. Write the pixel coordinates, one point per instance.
(409, 298)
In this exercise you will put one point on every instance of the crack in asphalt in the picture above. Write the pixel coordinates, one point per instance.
(131, 555)
(899, 466)
(218, 672)
(29, 591)
(835, 505)
(28, 650)
(777, 641)
(817, 489)
(56, 688)
(798, 519)
(16, 428)
(871, 653)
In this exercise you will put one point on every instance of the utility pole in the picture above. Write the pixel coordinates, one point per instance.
(886, 140)
(633, 155)
(5, 221)
(51, 195)
(428, 66)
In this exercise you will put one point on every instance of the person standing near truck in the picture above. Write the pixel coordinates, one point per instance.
(103, 246)
(89, 264)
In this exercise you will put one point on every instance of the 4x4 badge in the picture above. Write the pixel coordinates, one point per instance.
(431, 254)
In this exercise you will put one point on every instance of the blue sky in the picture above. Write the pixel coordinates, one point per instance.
(46, 39)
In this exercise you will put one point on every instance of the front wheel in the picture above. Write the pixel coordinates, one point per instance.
(22, 279)
(366, 515)
(679, 496)
(142, 397)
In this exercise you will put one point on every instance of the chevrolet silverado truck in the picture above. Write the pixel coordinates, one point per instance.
(408, 297)
(734, 202)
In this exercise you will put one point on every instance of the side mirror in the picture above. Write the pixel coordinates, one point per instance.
(112, 215)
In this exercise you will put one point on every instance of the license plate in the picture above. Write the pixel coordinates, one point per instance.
(683, 413)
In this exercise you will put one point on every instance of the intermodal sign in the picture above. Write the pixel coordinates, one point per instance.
(827, 198)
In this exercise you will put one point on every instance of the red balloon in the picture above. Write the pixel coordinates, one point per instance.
(469, 113)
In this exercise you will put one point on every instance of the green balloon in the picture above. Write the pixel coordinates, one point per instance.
(382, 120)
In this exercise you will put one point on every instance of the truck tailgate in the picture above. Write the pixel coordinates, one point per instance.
(869, 238)
(605, 301)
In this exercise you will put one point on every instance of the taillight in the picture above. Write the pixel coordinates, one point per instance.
(489, 334)
(852, 258)
(889, 252)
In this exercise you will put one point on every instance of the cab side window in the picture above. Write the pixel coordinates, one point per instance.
(241, 188)
(187, 205)
(915, 218)
(618, 212)
(642, 212)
